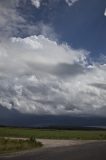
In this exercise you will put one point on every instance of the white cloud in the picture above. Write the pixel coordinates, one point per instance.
(105, 13)
(13, 22)
(36, 3)
(71, 2)
(39, 76)
(9, 17)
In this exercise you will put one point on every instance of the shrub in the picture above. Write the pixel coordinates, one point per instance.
(33, 139)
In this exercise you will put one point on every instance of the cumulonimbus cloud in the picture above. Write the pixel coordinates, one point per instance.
(38, 75)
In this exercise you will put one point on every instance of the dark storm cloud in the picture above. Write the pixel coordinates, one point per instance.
(14, 118)
(99, 85)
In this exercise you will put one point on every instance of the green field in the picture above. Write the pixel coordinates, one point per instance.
(52, 134)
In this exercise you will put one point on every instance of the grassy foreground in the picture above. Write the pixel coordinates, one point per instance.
(13, 145)
(52, 134)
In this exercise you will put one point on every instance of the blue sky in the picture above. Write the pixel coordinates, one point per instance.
(53, 57)
(82, 25)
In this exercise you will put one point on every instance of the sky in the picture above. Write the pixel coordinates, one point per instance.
(52, 58)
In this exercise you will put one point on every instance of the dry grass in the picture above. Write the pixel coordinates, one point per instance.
(13, 145)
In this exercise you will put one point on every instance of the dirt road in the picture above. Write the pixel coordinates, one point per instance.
(88, 151)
